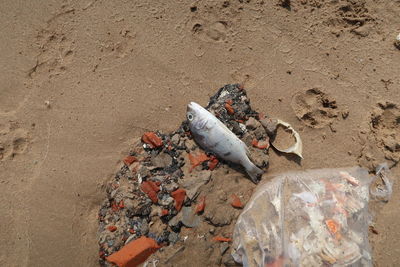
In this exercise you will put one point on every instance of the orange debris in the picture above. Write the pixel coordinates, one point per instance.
(164, 212)
(129, 160)
(236, 203)
(201, 205)
(260, 144)
(212, 164)
(152, 139)
(134, 253)
(112, 228)
(179, 196)
(222, 239)
(229, 109)
(150, 189)
(196, 160)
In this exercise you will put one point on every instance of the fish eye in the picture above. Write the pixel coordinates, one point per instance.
(190, 116)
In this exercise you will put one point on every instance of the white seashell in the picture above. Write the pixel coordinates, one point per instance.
(297, 148)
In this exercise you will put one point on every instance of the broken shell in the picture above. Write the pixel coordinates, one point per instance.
(297, 148)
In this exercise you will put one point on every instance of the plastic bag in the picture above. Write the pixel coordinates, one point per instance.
(310, 218)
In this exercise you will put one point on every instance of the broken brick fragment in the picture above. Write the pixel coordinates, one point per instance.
(164, 212)
(236, 203)
(196, 160)
(114, 206)
(260, 144)
(121, 204)
(201, 205)
(222, 239)
(152, 139)
(229, 109)
(129, 160)
(134, 253)
(112, 228)
(150, 189)
(179, 196)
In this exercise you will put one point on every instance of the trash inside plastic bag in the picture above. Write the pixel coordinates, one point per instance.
(310, 218)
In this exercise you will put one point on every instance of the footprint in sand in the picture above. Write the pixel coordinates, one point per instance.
(210, 32)
(385, 125)
(314, 108)
(13, 140)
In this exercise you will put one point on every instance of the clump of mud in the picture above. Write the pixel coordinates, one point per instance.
(168, 185)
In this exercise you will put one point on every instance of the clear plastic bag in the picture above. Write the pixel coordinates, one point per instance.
(310, 218)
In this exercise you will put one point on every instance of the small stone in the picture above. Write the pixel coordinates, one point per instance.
(162, 160)
(252, 123)
(218, 216)
(212, 230)
(189, 218)
(194, 181)
(173, 237)
(345, 114)
(175, 139)
(172, 186)
(175, 221)
(190, 144)
(144, 228)
(143, 171)
(270, 126)
(259, 132)
(166, 201)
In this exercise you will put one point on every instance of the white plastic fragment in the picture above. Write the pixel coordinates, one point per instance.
(297, 148)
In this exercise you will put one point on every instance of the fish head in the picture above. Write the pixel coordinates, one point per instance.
(197, 115)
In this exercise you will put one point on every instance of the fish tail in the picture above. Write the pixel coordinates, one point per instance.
(253, 171)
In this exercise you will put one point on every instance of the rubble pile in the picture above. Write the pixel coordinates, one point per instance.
(160, 187)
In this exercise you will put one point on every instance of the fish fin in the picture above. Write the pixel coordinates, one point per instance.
(253, 171)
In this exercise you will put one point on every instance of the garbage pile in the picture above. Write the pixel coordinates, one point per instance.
(156, 191)
(310, 218)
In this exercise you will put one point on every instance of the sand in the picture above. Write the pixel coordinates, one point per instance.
(79, 79)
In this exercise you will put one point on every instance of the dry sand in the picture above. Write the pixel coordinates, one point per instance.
(79, 79)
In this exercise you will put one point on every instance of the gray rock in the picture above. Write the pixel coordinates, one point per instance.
(144, 228)
(166, 201)
(173, 237)
(143, 171)
(218, 217)
(170, 187)
(252, 123)
(193, 182)
(270, 126)
(258, 157)
(259, 132)
(162, 160)
(175, 139)
(174, 222)
(189, 218)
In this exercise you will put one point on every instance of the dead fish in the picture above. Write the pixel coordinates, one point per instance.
(212, 135)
